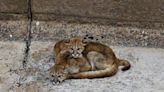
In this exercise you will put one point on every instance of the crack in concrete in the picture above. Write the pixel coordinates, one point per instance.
(28, 40)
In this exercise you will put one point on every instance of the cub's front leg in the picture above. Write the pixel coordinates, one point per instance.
(58, 74)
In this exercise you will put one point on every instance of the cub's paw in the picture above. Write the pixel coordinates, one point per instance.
(57, 79)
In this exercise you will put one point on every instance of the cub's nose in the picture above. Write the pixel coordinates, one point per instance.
(75, 55)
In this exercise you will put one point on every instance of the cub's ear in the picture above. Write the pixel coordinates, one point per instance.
(84, 41)
(67, 40)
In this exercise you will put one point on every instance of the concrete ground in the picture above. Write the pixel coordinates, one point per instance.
(145, 75)
(27, 54)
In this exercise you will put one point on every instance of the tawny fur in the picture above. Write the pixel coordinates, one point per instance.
(69, 59)
(95, 60)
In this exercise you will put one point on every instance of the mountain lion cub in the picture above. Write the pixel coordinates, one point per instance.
(78, 59)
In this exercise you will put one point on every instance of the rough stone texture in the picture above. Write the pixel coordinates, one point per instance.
(99, 21)
(112, 22)
(11, 58)
(6, 16)
(13, 9)
(13, 30)
(13, 6)
(124, 36)
(121, 10)
(145, 75)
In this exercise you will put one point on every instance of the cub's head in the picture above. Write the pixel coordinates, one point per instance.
(75, 46)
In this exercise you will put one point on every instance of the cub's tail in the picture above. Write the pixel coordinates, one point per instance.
(96, 74)
(125, 63)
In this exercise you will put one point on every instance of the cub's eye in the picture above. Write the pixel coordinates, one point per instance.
(78, 48)
(71, 48)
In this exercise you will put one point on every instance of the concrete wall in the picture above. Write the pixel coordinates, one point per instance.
(119, 10)
(13, 9)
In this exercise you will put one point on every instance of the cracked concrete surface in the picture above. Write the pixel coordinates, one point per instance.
(28, 32)
(146, 74)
